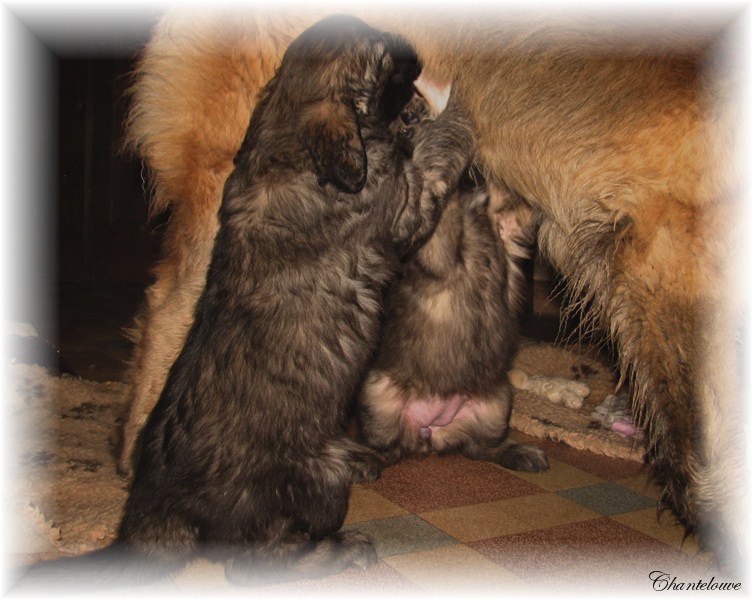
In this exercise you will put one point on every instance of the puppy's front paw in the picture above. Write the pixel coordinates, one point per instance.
(436, 94)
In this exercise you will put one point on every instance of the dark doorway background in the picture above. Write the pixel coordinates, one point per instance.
(85, 244)
(102, 230)
(105, 241)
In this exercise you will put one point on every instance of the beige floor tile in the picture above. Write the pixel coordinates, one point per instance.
(560, 476)
(641, 484)
(505, 517)
(663, 529)
(366, 505)
(204, 576)
(547, 510)
(452, 568)
(475, 522)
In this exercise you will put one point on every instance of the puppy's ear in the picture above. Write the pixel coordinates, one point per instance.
(333, 137)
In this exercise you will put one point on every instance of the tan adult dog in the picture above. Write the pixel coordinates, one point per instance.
(623, 142)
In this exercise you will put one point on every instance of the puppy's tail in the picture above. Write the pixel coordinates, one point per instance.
(116, 567)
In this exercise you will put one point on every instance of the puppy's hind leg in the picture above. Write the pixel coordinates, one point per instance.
(365, 464)
(305, 542)
(485, 441)
(479, 432)
(518, 457)
(300, 559)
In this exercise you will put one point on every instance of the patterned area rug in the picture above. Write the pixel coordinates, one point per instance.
(536, 416)
(64, 495)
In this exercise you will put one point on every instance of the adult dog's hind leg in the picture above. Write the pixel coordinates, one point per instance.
(164, 320)
(694, 435)
(191, 99)
(661, 285)
(677, 334)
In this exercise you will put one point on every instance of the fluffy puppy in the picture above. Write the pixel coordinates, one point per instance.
(624, 136)
(244, 454)
(439, 380)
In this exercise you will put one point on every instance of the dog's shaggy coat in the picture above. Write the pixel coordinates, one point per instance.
(438, 382)
(244, 454)
(624, 142)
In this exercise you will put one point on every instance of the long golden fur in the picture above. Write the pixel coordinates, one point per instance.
(624, 143)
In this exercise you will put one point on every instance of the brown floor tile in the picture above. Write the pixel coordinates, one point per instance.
(435, 482)
(596, 552)
(560, 476)
(604, 467)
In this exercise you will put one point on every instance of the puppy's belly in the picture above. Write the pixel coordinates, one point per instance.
(429, 414)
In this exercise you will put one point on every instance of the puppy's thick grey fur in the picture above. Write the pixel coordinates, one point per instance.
(245, 454)
(439, 381)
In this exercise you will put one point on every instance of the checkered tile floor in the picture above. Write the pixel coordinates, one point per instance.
(451, 524)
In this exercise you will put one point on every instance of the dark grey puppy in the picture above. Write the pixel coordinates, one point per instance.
(245, 453)
(439, 381)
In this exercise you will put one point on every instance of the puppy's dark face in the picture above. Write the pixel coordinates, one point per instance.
(342, 56)
(400, 68)
(335, 74)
